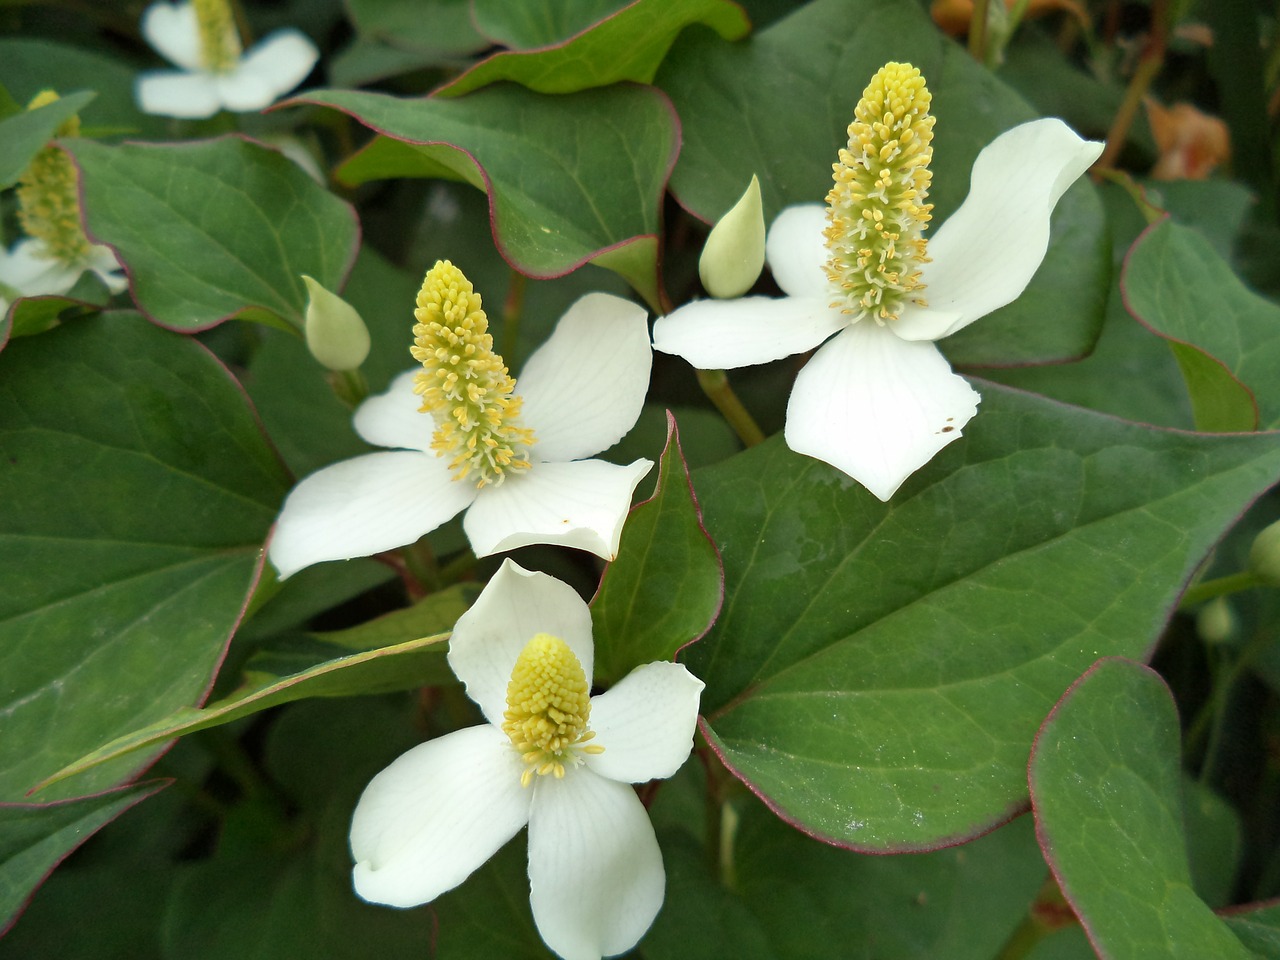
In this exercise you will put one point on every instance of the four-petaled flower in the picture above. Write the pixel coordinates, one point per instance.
(200, 36)
(512, 461)
(550, 756)
(878, 400)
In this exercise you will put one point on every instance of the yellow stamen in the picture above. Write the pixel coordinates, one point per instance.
(49, 195)
(548, 705)
(464, 385)
(876, 210)
(220, 46)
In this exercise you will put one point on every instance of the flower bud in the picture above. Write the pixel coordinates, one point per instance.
(1264, 555)
(336, 336)
(734, 253)
(1216, 621)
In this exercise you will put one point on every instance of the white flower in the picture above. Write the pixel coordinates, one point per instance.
(581, 392)
(878, 400)
(441, 810)
(30, 270)
(200, 37)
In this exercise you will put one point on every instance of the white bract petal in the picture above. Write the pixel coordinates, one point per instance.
(877, 407)
(796, 251)
(30, 271)
(596, 879)
(583, 389)
(725, 334)
(426, 822)
(363, 506)
(169, 93)
(645, 724)
(173, 31)
(513, 607)
(394, 418)
(273, 67)
(581, 504)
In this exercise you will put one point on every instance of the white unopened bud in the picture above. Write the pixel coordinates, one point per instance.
(1264, 555)
(336, 336)
(734, 252)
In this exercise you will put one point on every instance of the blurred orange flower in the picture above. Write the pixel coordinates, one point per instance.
(1191, 143)
(953, 16)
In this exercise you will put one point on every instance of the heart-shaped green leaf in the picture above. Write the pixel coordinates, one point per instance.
(214, 229)
(666, 585)
(138, 489)
(738, 120)
(539, 23)
(628, 45)
(879, 670)
(1106, 787)
(571, 179)
(1176, 284)
(36, 837)
(398, 651)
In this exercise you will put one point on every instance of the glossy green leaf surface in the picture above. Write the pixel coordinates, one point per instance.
(890, 664)
(1176, 284)
(1106, 788)
(737, 120)
(211, 229)
(24, 135)
(666, 585)
(539, 23)
(442, 27)
(629, 45)
(138, 487)
(398, 651)
(571, 179)
(34, 838)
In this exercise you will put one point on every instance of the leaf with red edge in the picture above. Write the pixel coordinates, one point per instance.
(138, 489)
(627, 45)
(667, 584)
(571, 179)
(1177, 285)
(1105, 777)
(36, 837)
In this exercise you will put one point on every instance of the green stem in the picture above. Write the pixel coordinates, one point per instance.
(512, 310)
(1048, 912)
(715, 384)
(1218, 587)
(1023, 939)
(235, 763)
(1149, 65)
(349, 386)
(978, 29)
(420, 562)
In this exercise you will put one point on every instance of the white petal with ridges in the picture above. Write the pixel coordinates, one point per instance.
(173, 31)
(988, 250)
(724, 334)
(582, 504)
(393, 418)
(30, 273)
(583, 388)
(515, 606)
(596, 879)
(426, 822)
(877, 407)
(274, 67)
(191, 96)
(796, 250)
(645, 723)
(363, 506)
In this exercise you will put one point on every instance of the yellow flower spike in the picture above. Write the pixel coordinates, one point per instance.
(876, 211)
(49, 195)
(464, 384)
(220, 46)
(548, 706)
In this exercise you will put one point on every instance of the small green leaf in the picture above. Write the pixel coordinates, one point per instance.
(628, 45)
(1258, 928)
(1106, 786)
(665, 587)
(1177, 285)
(375, 657)
(138, 489)
(879, 671)
(36, 837)
(24, 135)
(216, 228)
(571, 179)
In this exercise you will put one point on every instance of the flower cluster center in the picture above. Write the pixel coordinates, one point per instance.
(548, 705)
(464, 385)
(876, 211)
(49, 195)
(220, 46)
